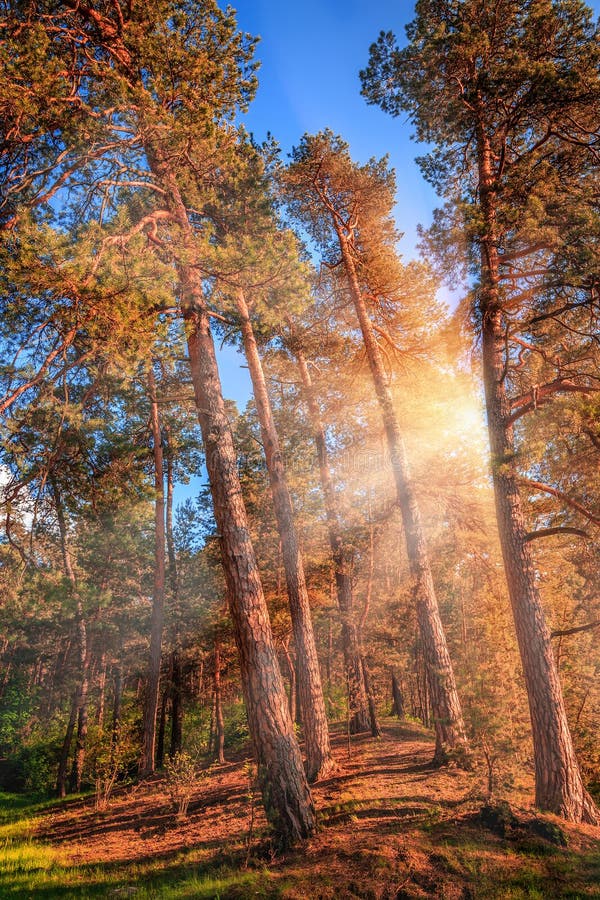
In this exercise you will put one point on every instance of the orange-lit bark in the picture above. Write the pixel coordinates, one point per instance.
(445, 704)
(319, 761)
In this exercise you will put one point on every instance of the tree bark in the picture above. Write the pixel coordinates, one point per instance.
(147, 761)
(319, 762)
(558, 783)
(445, 705)
(359, 709)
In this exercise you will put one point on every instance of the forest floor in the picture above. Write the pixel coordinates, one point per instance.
(390, 827)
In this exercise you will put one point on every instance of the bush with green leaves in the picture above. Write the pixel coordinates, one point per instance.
(184, 777)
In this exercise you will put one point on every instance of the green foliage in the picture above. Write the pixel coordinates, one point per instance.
(184, 779)
(236, 725)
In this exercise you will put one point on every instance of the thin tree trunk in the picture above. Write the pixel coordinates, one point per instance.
(292, 673)
(558, 783)
(176, 704)
(319, 762)
(63, 762)
(286, 795)
(329, 657)
(162, 726)
(219, 722)
(101, 692)
(176, 665)
(147, 761)
(397, 700)
(79, 712)
(448, 720)
(116, 709)
(359, 710)
(82, 726)
(212, 730)
(375, 729)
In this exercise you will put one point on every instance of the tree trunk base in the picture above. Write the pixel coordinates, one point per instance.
(327, 768)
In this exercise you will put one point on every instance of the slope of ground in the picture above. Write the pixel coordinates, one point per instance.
(391, 827)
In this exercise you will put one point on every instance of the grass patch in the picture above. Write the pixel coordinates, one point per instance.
(30, 869)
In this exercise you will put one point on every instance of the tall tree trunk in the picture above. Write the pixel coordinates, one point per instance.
(147, 761)
(219, 722)
(292, 673)
(101, 692)
(375, 727)
(162, 726)
(558, 784)
(319, 761)
(116, 708)
(286, 795)
(79, 709)
(176, 704)
(341, 556)
(82, 725)
(397, 699)
(176, 686)
(445, 705)
(285, 792)
(63, 762)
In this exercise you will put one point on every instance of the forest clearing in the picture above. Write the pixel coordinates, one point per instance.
(299, 496)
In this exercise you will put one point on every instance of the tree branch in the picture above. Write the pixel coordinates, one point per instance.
(541, 394)
(563, 632)
(559, 529)
(568, 501)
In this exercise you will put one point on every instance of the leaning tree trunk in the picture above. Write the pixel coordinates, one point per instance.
(147, 761)
(445, 705)
(285, 791)
(357, 700)
(558, 784)
(319, 761)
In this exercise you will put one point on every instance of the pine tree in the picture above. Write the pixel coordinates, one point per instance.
(347, 209)
(176, 74)
(508, 95)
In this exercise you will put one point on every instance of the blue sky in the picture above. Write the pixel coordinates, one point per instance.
(310, 56)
